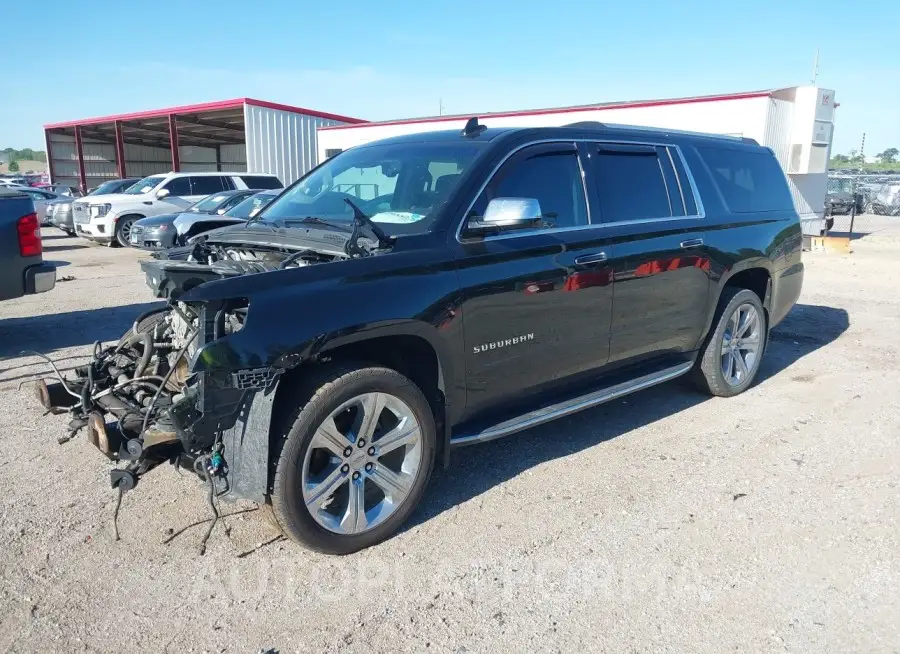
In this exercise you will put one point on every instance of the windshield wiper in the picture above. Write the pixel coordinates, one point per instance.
(318, 221)
(360, 220)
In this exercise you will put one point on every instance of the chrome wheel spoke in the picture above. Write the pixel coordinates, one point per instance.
(748, 324)
(396, 486)
(741, 366)
(371, 406)
(342, 472)
(354, 519)
(405, 433)
(318, 492)
(328, 437)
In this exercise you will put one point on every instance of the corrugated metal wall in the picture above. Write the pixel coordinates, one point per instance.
(282, 143)
(140, 160)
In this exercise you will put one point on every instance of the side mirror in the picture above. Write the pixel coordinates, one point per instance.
(508, 214)
(162, 193)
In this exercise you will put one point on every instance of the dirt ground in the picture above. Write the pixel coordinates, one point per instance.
(667, 521)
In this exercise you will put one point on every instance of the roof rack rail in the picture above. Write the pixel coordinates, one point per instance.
(586, 123)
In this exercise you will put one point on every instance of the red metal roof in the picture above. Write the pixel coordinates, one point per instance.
(561, 110)
(199, 108)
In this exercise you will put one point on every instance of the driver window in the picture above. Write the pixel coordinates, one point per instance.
(552, 178)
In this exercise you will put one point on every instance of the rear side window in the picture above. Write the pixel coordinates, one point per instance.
(178, 187)
(631, 183)
(261, 182)
(208, 184)
(749, 180)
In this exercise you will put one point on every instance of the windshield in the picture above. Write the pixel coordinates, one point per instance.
(111, 186)
(400, 186)
(145, 185)
(208, 204)
(251, 206)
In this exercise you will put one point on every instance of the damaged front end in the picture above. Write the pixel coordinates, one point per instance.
(141, 405)
(145, 400)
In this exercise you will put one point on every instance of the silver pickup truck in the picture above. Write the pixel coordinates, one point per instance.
(22, 268)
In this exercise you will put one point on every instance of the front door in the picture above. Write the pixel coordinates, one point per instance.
(536, 303)
(649, 210)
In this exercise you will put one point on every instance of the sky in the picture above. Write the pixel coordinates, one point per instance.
(384, 60)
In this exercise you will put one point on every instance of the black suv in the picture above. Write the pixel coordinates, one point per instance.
(437, 290)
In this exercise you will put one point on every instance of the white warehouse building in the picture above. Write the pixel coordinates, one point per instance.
(797, 123)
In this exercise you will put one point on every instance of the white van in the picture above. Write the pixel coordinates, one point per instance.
(108, 218)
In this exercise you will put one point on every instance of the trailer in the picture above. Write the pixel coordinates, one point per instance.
(797, 123)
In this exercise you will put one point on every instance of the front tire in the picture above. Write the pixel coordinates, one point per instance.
(730, 358)
(357, 454)
(123, 232)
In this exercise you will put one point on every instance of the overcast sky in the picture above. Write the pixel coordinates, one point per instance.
(400, 59)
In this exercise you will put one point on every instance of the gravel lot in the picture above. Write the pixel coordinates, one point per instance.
(666, 521)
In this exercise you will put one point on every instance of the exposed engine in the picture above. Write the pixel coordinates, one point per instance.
(144, 382)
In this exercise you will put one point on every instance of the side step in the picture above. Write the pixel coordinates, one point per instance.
(573, 405)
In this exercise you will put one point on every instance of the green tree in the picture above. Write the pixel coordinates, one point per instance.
(888, 156)
(13, 166)
(840, 160)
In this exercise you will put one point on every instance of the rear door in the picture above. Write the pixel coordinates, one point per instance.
(654, 220)
(535, 303)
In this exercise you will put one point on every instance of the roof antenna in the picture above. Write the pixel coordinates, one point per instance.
(472, 128)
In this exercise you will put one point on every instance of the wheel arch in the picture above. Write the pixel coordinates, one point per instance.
(412, 348)
(754, 276)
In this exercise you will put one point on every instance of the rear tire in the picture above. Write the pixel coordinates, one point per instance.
(730, 358)
(323, 475)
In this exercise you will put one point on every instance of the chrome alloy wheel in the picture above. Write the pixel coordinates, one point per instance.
(741, 344)
(361, 463)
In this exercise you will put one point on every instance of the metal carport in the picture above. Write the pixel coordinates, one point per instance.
(241, 135)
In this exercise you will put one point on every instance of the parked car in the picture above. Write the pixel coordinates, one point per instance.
(886, 202)
(13, 181)
(41, 199)
(109, 219)
(115, 186)
(158, 232)
(60, 189)
(22, 268)
(188, 226)
(59, 212)
(324, 356)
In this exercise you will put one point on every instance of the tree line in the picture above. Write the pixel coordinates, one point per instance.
(26, 154)
(886, 159)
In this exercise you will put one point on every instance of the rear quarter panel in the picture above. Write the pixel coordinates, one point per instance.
(770, 240)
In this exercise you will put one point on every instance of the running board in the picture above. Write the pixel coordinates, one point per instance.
(567, 407)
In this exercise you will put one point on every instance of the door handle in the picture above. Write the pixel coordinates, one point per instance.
(586, 259)
(691, 243)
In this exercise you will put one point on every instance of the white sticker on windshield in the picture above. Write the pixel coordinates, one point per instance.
(218, 198)
(400, 217)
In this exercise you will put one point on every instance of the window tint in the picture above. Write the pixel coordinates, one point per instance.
(749, 180)
(630, 183)
(552, 178)
(261, 181)
(208, 184)
(180, 186)
(233, 201)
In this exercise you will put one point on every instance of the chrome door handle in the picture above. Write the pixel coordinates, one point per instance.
(584, 260)
(691, 243)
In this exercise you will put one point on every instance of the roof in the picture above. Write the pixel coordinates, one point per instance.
(454, 135)
(201, 108)
(557, 110)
